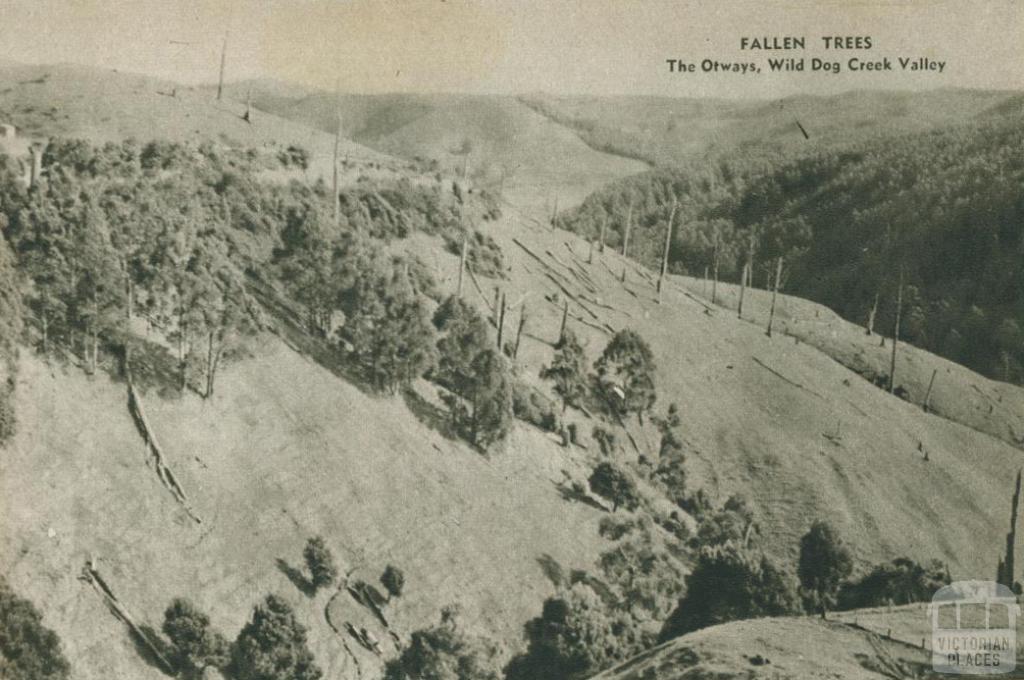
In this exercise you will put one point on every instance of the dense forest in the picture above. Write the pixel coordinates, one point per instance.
(943, 211)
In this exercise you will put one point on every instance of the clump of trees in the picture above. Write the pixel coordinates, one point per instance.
(445, 651)
(575, 636)
(568, 370)
(728, 583)
(825, 562)
(319, 559)
(28, 649)
(272, 646)
(477, 377)
(194, 644)
(901, 581)
(614, 484)
(625, 375)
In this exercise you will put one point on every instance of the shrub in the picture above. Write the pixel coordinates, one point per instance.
(320, 562)
(614, 484)
(824, 563)
(490, 398)
(194, 645)
(393, 581)
(272, 646)
(605, 439)
(28, 649)
(530, 405)
(729, 583)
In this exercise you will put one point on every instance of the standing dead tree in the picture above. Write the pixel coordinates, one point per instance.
(223, 60)
(519, 330)
(871, 316)
(462, 264)
(604, 226)
(625, 233)
(896, 335)
(668, 243)
(335, 198)
(1005, 568)
(746, 276)
(926, 404)
(775, 294)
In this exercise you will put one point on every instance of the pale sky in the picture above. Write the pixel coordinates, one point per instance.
(515, 46)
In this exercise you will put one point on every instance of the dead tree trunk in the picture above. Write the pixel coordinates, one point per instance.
(704, 284)
(462, 264)
(871, 316)
(743, 291)
(629, 223)
(1005, 568)
(565, 317)
(714, 283)
(248, 107)
(604, 225)
(895, 335)
(223, 59)
(501, 321)
(926, 405)
(335, 200)
(668, 243)
(590, 253)
(519, 331)
(554, 213)
(775, 294)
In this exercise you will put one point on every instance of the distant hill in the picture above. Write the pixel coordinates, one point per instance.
(673, 131)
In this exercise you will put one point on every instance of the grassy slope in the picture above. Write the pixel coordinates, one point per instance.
(101, 106)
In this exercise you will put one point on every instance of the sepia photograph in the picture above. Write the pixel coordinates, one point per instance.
(511, 339)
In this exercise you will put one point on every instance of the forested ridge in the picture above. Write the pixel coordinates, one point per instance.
(166, 251)
(943, 211)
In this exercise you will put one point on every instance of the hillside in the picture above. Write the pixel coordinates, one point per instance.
(532, 158)
(676, 131)
(105, 105)
(297, 440)
(802, 648)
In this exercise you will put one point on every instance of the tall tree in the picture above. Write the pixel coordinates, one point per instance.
(825, 562)
(568, 370)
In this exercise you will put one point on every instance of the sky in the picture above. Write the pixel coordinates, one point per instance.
(598, 47)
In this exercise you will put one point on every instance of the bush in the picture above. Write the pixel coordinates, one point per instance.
(729, 583)
(320, 562)
(29, 650)
(393, 581)
(529, 405)
(194, 645)
(614, 484)
(272, 646)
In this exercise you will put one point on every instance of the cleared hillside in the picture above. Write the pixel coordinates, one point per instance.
(105, 105)
(533, 159)
(798, 648)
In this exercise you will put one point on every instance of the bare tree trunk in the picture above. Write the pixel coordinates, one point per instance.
(926, 405)
(501, 321)
(46, 334)
(462, 263)
(335, 201)
(223, 60)
(604, 225)
(714, 284)
(871, 315)
(519, 330)
(775, 294)
(565, 317)
(554, 213)
(668, 243)
(629, 224)
(704, 284)
(247, 117)
(590, 253)
(896, 335)
(743, 291)
(209, 366)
